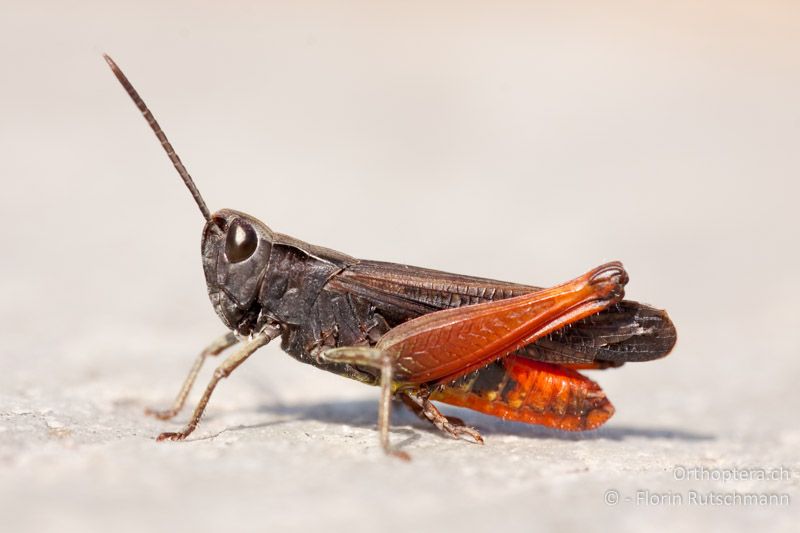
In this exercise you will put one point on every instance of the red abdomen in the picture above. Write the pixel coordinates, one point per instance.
(522, 390)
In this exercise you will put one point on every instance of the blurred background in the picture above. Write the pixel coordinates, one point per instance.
(523, 141)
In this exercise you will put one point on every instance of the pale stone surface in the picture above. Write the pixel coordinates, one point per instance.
(77, 454)
(526, 142)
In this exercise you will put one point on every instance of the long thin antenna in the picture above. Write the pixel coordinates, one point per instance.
(148, 116)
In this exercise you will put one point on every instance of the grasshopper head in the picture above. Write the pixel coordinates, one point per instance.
(236, 249)
(236, 246)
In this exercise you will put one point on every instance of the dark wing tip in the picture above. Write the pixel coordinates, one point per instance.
(624, 333)
(652, 335)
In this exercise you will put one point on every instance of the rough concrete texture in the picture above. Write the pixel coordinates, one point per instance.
(524, 142)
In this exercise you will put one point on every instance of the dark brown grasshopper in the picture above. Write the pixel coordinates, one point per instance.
(500, 348)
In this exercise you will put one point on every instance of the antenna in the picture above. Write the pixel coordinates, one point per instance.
(148, 116)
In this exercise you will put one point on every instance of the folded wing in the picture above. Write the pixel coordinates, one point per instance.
(624, 332)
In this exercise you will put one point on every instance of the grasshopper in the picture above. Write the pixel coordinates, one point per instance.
(504, 349)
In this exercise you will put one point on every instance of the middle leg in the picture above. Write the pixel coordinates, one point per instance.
(372, 358)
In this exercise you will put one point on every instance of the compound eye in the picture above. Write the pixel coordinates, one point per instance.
(241, 242)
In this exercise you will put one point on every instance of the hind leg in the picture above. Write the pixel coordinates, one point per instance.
(453, 427)
(416, 408)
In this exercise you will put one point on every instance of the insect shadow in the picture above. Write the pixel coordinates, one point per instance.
(361, 413)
